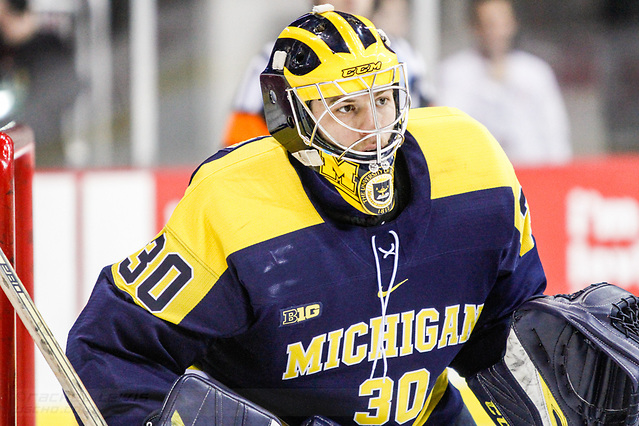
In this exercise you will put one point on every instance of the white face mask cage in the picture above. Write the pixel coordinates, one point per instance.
(315, 135)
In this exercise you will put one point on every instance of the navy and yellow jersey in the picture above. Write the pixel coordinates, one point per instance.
(253, 282)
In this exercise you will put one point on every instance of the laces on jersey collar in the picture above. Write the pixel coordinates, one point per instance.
(384, 297)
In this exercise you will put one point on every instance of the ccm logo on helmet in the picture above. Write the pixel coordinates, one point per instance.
(362, 69)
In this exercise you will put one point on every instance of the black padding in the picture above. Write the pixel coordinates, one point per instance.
(199, 401)
(581, 348)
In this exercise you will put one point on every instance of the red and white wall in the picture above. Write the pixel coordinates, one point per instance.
(83, 221)
(585, 218)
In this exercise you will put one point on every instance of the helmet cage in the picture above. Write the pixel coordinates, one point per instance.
(314, 134)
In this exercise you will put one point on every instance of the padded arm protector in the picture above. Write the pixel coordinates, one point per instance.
(569, 360)
(196, 400)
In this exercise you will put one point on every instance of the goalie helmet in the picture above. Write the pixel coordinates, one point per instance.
(334, 58)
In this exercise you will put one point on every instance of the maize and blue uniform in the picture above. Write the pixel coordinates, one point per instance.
(252, 281)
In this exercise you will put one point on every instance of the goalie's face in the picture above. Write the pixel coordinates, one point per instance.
(356, 123)
(360, 119)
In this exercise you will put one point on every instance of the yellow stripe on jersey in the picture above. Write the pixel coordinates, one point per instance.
(232, 203)
(250, 195)
(463, 156)
(157, 275)
(433, 398)
(522, 222)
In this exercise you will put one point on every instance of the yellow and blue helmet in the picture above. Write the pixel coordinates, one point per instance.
(327, 54)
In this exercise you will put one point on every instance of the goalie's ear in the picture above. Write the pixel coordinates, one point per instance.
(569, 359)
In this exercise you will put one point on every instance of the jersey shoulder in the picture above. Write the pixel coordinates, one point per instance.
(258, 156)
(248, 194)
(242, 196)
(461, 153)
(463, 157)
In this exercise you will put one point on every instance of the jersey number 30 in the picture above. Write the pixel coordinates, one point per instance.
(158, 279)
(412, 385)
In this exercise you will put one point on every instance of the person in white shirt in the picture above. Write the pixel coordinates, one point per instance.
(513, 93)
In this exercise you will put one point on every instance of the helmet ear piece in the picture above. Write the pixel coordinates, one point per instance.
(278, 111)
(281, 121)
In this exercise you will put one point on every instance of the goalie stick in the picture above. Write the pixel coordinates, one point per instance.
(58, 362)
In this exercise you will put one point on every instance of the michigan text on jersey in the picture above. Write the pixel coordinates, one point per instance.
(421, 331)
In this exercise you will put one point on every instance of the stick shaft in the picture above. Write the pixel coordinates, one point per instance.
(58, 362)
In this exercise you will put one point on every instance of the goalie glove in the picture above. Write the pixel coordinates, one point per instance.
(569, 360)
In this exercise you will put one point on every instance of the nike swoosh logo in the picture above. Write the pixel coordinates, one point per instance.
(384, 293)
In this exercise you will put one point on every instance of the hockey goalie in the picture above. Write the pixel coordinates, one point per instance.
(340, 266)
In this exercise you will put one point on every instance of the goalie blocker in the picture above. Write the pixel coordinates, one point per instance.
(569, 360)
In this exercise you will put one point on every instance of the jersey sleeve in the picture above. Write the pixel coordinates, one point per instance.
(520, 277)
(126, 357)
(154, 313)
(157, 312)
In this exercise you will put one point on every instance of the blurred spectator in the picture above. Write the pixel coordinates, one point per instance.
(37, 78)
(620, 12)
(513, 93)
(620, 72)
(392, 16)
(246, 119)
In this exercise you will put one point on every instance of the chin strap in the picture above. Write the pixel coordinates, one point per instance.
(309, 157)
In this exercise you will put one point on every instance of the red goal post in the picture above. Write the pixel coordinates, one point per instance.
(17, 370)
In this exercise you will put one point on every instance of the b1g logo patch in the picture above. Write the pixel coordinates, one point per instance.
(376, 192)
(297, 314)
